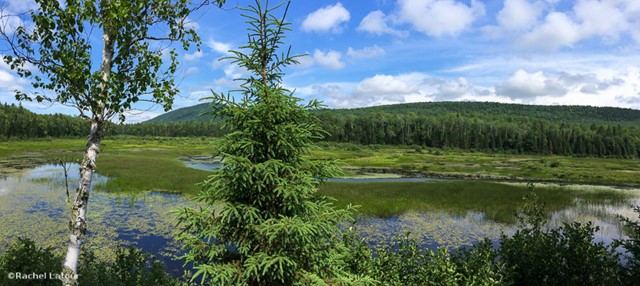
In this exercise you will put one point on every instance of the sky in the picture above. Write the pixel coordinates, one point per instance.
(372, 52)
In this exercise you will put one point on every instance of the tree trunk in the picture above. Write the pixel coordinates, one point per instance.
(78, 223)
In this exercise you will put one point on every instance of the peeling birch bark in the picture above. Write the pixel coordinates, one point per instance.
(78, 223)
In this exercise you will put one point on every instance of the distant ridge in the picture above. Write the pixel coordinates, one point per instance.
(577, 114)
(200, 113)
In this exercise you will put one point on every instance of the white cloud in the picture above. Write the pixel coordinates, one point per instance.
(329, 59)
(376, 23)
(524, 85)
(219, 47)
(21, 6)
(439, 17)
(190, 71)
(329, 18)
(603, 87)
(557, 31)
(607, 20)
(135, 116)
(598, 18)
(193, 56)
(366, 52)
(9, 22)
(387, 86)
(9, 81)
(519, 14)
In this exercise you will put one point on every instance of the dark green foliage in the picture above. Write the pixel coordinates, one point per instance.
(405, 262)
(559, 130)
(18, 122)
(132, 267)
(23, 256)
(566, 255)
(568, 114)
(632, 246)
(264, 224)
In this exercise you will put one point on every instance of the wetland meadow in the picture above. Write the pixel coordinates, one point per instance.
(440, 197)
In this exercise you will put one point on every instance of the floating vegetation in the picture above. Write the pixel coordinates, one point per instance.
(33, 205)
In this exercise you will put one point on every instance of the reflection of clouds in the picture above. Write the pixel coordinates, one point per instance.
(432, 229)
(603, 216)
(35, 207)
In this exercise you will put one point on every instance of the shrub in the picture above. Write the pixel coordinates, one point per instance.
(23, 256)
(631, 271)
(132, 267)
(566, 255)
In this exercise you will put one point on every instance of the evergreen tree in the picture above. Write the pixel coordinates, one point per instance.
(264, 224)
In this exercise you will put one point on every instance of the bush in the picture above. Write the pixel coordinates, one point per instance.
(631, 271)
(566, 255)
(132, 267)
(23, 256)
(405, 262)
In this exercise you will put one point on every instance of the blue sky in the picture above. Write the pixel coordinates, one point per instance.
(373, 52)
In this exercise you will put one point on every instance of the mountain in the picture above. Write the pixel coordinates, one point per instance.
(574, 114)
(198, 113)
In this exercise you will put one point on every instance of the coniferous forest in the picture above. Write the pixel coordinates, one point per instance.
(526, 129)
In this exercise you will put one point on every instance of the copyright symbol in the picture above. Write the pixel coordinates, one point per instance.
(11, 275)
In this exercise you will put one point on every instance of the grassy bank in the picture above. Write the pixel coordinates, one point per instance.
(141, 164)
(498, 201)
(432, 162)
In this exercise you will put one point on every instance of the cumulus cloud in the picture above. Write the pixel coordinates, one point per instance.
(562, 28)
(376, 23)
(524, 85)
(9, 81)
(219, 47)
(593, 22)
(386, 86)
(439, 17)
(193, 56)
(603, 88)
(329, 59)
(329, 18)
(557, 31)
(519, 14)
(366, 52)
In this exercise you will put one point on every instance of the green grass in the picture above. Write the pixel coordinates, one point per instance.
(136, 164)
(481, 165)
(498, 201)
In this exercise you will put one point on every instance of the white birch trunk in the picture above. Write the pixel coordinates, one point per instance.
(78, 223)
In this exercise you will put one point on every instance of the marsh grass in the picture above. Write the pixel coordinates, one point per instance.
(498, 201)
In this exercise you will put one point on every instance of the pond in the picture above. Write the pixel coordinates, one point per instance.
(33, 205)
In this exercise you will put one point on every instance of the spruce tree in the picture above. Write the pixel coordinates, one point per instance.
(263, 223)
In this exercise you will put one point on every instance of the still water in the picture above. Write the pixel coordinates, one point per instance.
(33, 205)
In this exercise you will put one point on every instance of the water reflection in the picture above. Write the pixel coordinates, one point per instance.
(33, 205)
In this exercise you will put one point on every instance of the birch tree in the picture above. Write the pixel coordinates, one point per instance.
(58, 52)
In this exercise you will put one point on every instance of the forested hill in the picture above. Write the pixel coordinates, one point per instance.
(567, 114)
(560, 130)
(199, 113)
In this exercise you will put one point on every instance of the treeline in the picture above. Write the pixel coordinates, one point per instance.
(564, 113)
(463, 130)
(495, 133)
(18, 122)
